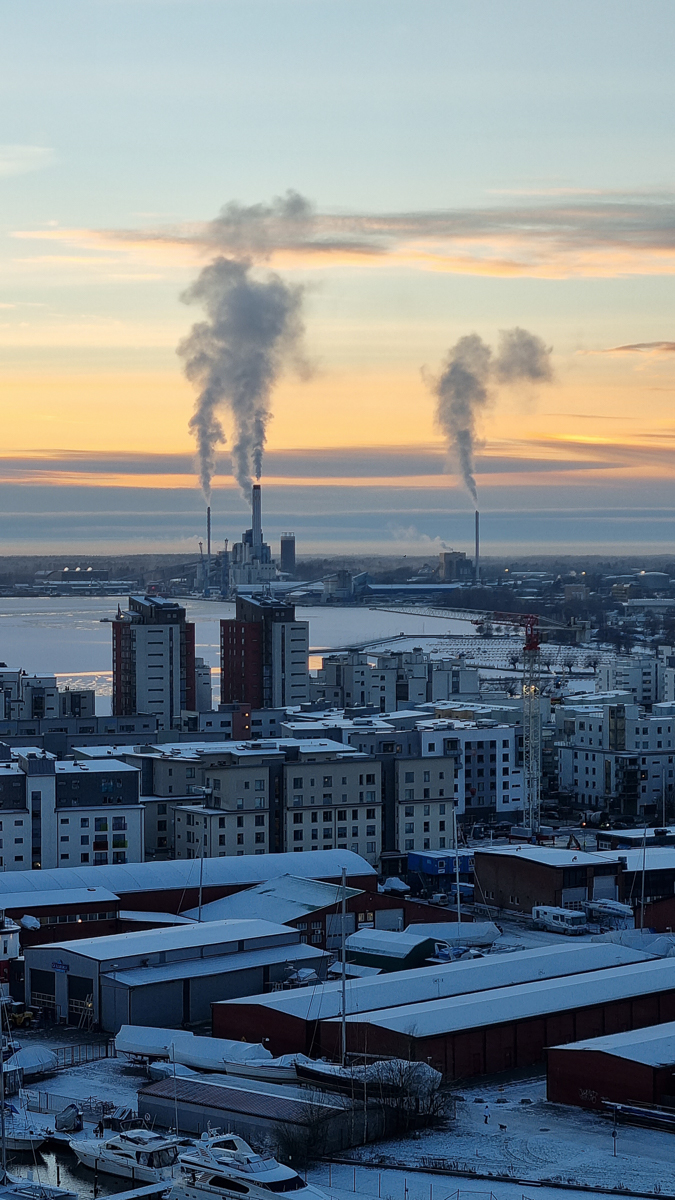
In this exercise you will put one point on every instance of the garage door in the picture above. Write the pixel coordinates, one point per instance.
(42, 989)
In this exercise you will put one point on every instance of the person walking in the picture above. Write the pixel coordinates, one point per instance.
(486, 1114)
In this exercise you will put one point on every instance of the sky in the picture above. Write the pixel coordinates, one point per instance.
(469, 166)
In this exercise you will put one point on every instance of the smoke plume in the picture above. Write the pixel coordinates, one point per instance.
(253, 328)
(522, 357)
(463, 389)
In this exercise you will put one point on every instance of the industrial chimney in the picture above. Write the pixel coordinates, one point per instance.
(256, 510)
(477, 563)
(207, 581)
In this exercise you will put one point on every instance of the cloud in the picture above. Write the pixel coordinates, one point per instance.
(19, 160)
(553, 237)
(641, 348)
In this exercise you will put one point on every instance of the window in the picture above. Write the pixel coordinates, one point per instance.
(260, 785)
(297, 818)
(427, 777)
(409, 811)
(370, 779)
(297, 835)
(410, 777)
(409, 794)
(297, 784)
(328, 781)
(342, 814)
(260, 837)
(426, 810)
(327, 816)
(259, 820)
(409, 844)
(409, 827)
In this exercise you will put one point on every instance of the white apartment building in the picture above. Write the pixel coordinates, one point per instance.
(38, 697)
(614, 752)
(637, 674)
(490, 780)
(390, 681)
(67, 814)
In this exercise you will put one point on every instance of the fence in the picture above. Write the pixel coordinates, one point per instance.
(48, 1102)
(76, 1055)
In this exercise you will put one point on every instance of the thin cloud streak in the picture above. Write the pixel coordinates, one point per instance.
(602, 237)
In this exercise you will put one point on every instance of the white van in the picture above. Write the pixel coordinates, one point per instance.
(559, 920)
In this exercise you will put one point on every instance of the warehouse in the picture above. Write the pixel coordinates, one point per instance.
(635, 1067)
(174, 886)
(299, 1021)
(508, 1028)
(520, 877)
(167, 976)
(315, 908)
(260, 1112)
(387, 951)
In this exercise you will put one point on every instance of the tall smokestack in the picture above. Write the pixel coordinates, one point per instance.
(477, 564)
(207, 581)
(256, 510)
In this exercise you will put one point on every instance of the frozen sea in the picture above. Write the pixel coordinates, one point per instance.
(57, 635)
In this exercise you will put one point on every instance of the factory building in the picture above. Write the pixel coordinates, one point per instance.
(636, 1067)
(171, 975)
(154, 668)
(264, 655)
(250, 560)
(301, 1022)
(287, 555)
(510, 1028)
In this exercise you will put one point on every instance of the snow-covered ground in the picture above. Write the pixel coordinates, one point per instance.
(540, 1142)
(110, 1079)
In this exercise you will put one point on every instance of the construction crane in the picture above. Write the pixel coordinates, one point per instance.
(535, 628)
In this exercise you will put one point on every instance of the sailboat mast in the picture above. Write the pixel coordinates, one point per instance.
(344, 967)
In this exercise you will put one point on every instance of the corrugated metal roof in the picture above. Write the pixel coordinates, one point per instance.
(455, 1013)
(231, 871)
(454, 979)
(177, 937)
(215, 964)
(654, 1046)
(552, 856)
(56, 898)
(252, 1102)
(288, 897)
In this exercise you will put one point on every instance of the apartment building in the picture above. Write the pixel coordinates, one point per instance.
(490, 780)
(154, 665)
(264, 655)
(67, 814)
(427, 790)
(390, 681)
(26, 697)
(333, 800)
(616, 755)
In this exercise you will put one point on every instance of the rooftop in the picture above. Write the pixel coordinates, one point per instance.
(654, 858)
(289, 897)
(177, 874)
(551, 856)
(654, 1046)
(217, 964)
(30, 901)
(453, 1013)
(430, 983)
(176, 937)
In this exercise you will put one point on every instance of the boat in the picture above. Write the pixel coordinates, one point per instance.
(226, 1166)
(138, 1154)
(21, 1131)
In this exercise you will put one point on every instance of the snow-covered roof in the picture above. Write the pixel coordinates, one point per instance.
(384, 942)
(451, 979)
(153, 918)
(216, 964)
(655, 858)
(230, 871)
(288, 898)
(94, 766)
(454, 1013)
(176, 937)
(56, 898)
(551, 856)
(654, 1046)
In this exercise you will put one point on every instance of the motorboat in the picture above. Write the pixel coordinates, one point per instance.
(138, 1154)
(224, 1165)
